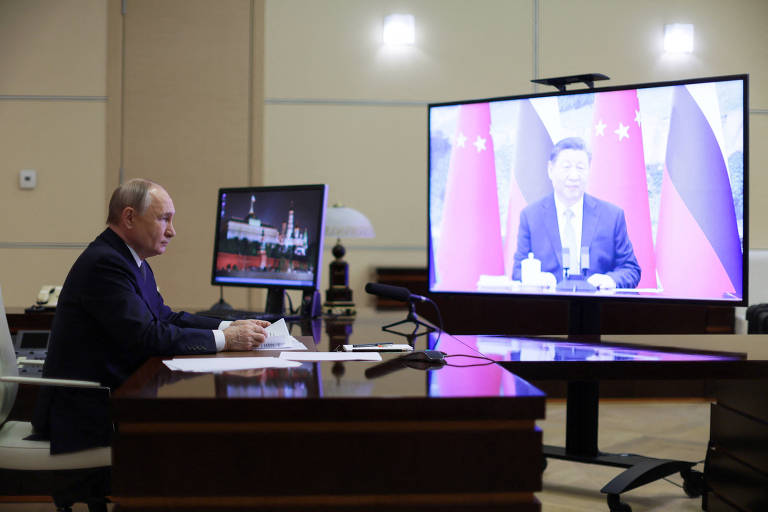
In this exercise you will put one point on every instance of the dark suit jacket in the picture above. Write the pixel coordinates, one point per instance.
(604, 230)
(109, 320)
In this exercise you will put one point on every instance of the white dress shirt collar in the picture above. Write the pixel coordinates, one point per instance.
(577, 208)
(136, 258)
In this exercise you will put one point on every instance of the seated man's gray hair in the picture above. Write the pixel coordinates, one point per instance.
(133, 193)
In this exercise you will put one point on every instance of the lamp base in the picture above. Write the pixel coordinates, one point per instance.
(338, 296)
(338, 293)
(339, 308)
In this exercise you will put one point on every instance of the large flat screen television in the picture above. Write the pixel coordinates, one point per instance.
(270, 237)
(634, 192)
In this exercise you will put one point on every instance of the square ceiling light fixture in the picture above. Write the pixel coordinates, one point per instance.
(399, 30)
(678, 38)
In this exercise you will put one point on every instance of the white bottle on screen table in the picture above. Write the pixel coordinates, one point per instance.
(530, 268)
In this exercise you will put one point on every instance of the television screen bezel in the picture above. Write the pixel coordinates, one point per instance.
(744, 77)
(283, 188)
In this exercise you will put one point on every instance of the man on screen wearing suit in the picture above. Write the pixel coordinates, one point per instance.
(569, 218)
(111, 318)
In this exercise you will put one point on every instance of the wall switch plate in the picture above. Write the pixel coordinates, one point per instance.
(28, 178)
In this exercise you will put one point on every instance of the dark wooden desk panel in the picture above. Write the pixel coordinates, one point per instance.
(323, 437)
(736, 470)
(20, 320)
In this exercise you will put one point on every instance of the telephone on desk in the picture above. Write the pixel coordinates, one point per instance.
(47, 298)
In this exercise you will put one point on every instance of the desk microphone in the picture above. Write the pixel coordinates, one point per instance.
(584, 260)
(422, 360)
(394, 292)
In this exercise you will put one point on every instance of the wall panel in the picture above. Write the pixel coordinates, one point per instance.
(624, 40)
(186, 123)
(758, 185)
(64, 142)
(332, 49)
(52, 112)
(373, 159)
(25, 270)
(53, 48)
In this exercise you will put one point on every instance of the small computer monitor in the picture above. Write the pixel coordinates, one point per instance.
(270, 237)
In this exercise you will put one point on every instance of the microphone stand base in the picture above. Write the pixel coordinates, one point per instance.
(411, 318)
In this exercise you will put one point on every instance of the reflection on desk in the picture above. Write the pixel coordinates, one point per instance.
(543, 358)
(529, 349)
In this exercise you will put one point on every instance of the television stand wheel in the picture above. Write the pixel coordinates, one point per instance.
(693, 483)
(616, 505)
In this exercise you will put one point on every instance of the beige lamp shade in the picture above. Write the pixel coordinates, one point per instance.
(343, 222)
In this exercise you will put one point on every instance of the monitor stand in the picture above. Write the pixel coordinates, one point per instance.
(221, 305)
(274, 308)
(309, 307)
(275, 301)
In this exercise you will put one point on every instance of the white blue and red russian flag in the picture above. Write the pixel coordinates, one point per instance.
(698, 250)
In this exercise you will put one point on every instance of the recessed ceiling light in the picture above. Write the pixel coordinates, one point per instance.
(678, 38)
(399, 29)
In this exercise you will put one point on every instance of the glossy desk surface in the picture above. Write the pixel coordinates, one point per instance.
(545, 358)
(465, 376)
(467, 385)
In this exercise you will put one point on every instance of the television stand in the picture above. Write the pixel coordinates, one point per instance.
(584, 320)
(581, 430)
(581, 446)
(559, 82)
(581, 427)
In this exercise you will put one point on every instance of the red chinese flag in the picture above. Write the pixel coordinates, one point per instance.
(470, 234)
(618, 172)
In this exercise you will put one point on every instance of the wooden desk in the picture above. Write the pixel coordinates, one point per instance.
(324, 436)
(18, 320)
(736, 471)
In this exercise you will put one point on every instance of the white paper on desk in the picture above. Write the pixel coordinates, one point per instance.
(278, 338)
(331, 356)
(225, 364)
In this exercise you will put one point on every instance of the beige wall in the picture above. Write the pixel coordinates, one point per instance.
(211, 93)
(52, 108)
(169, 90)
(370, 146)
(191, 113)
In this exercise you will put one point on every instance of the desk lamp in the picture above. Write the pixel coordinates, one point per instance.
(342, 222)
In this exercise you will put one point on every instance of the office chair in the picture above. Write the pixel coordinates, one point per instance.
(26, 467)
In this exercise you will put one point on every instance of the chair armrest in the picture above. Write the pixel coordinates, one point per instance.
(40, 381)
(31, 362)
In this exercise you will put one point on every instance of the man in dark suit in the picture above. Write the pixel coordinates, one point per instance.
(110, 319)
(569, 218)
